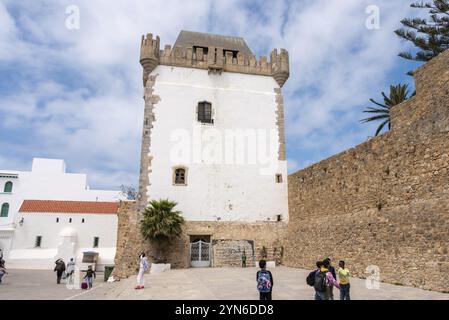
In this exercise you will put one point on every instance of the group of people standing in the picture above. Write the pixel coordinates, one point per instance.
(63, 272)
(324, 279)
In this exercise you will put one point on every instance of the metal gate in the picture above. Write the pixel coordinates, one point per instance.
(200, 254)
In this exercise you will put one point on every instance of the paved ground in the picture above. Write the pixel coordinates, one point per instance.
(208, 283)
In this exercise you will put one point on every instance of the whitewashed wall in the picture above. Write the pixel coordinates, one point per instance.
(228, 192)
(48, 180)
(25, 255)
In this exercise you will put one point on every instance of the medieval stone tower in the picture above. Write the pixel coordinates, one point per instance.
(213, 141)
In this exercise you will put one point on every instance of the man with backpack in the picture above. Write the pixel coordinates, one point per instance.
(264, 281)
(59, 269)
(310, 280)
(324, 280)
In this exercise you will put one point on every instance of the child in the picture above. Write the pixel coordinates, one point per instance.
(331, 270)
(143, 267)
(90, 275)
(324, 281)
(343, 277)
(264, 281)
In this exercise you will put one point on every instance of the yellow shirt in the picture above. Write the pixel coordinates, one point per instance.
(343, 275)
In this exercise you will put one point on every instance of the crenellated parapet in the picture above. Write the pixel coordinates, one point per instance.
(149, 54)
(214, 59)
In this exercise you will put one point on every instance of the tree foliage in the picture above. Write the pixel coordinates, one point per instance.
(398, 94)
(161, 223)
(430, 36)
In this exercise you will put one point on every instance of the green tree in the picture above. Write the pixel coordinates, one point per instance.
(398, 94)
(430, 36)
(161, 224)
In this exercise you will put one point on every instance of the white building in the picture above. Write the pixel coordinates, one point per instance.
(48, 180)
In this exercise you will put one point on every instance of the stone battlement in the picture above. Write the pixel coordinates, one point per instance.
(212, 58)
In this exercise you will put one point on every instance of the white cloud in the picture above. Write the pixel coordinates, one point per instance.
(80, 95)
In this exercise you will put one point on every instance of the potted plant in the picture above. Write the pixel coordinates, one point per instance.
(161, 224)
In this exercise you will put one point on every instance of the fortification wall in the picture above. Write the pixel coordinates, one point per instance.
(385, 202)
(229, 239)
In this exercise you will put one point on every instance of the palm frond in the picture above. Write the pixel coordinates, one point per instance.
(398, 94)
(381, 126)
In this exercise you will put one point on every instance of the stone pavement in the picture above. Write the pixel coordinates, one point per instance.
(207, 283)
(41, 285)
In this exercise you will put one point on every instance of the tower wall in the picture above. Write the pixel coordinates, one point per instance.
(246, 113)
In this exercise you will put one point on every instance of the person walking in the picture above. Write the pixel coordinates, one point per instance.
(143, 267)
(264, 281)
(89, 277)
(343, 279)
(59, 268)
(70, 271)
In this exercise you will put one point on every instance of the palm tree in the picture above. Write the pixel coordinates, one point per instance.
(398, 94)
(161, 225)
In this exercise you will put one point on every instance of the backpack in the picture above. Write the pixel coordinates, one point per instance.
(310, 280)
(320, 281)
(263, 281)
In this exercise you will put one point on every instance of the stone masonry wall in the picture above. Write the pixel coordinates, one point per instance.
(228, 240)
(386, 201)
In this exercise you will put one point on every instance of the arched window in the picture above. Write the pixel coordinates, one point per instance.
(8, 187)
(5, 210)
(180, 176)
(205, 112)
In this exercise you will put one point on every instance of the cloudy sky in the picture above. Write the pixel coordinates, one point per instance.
(76, 94)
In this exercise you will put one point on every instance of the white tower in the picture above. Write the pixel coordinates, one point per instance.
(213, 133)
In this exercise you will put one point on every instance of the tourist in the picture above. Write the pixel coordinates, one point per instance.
(70, 271)
(343, 279)
(244, 259)
(59, 268)
(331, 270)
(2, 272)
(89, 277)
(324, 281)
(310, 280)
(143, 267)
(264, 281)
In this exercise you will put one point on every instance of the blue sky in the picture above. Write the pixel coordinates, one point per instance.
(77, 94)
